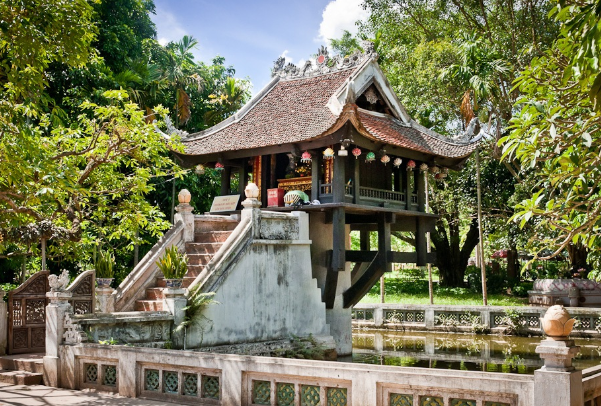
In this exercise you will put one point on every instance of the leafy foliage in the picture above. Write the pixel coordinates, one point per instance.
(104, 264)
(173, 264)
(556, 135)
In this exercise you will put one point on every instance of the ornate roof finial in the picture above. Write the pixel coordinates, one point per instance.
(322, 56)
(278, 65)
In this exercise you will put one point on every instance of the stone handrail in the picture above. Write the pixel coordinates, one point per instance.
(591, 385)
(225, 257)
(143, 275)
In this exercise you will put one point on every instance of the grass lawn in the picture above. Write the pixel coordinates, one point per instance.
(447, 298)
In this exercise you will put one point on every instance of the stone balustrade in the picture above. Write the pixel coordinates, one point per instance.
(463, 318)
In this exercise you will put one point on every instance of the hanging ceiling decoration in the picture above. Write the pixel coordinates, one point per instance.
(435, 170)
(219, 166)
(385, 159)
(410, 165)
(356, 152)
(200, 169)
(423, 167)
(306, 157)
(397, 162)
(370, 157)
(328, 153)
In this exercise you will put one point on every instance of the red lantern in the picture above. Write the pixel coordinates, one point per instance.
(306, 157)
(356, 152)
(219, 166)
(410, 165)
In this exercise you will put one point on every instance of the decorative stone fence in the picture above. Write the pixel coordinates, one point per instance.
(568, 292)
(466, 318)
(186, 377)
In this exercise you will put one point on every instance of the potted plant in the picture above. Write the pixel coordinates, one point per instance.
(104, 269)
(174, 266)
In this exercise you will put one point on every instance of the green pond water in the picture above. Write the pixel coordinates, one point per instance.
(470, 352)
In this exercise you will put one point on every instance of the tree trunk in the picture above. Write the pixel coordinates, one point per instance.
(451, 258)
(578, 254)
(512, 263)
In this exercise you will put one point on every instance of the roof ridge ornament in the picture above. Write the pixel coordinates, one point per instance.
(322, 63)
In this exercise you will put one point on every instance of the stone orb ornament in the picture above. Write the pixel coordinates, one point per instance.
(557, 323)
(184, 196)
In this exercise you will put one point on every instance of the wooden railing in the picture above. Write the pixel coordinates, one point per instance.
(380, 194)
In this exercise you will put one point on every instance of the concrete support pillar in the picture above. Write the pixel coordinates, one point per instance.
(55, 328)
(378, 316)
(429, 318)
(184, 214)
(557, 383)
(3, 324)
(174, 301)
(105, 300)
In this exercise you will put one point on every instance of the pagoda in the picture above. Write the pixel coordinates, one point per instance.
(335, 129)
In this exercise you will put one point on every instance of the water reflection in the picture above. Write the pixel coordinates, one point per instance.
(468, 352)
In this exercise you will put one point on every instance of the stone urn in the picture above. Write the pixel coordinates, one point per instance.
(557, 323)
(174, 283)
(104, 282)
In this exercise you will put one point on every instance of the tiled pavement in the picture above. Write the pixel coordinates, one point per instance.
(39, 395)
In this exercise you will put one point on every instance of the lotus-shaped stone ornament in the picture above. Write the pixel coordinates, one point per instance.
(557, 323)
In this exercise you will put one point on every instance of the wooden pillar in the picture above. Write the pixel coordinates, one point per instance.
(226, 175)
(272, 178)
(265, 165)
(356, 181)
(242, 180)
(384, 242)
(421, 190)
(338, 259)
(338, 180)
(407, 188)
(397, 180)
(421, 243)
(364, 242)
(315, 175)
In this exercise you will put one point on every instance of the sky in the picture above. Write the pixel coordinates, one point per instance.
(252, 34)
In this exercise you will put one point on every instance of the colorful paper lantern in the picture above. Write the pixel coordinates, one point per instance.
(328, 153)
(356, 152)
(306, 157)
(423, 167)
(370, 157)
(410, 165)
(219, 166)
(397, 162)
(200, 169)
(385, 159)
(435, 170)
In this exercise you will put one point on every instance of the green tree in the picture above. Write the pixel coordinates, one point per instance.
(556, 136)
(345, 45)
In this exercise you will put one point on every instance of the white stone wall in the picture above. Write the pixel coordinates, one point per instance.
(269, 293)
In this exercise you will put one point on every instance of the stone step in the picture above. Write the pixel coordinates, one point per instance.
(214, 236)
(194, 270)
(199, 259)
(23, 362)
(215, 224)
(202, 248)
(154, 294)
(148, 305)
(21, 377)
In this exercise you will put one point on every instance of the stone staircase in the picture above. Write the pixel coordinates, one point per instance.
(210, 232)
(22, 369)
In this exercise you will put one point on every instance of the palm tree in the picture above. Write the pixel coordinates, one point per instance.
(176, 72)
(233, 96)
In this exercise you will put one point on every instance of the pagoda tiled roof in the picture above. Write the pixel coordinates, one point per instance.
(294, 108)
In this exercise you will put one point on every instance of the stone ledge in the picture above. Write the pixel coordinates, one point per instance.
(125, 317)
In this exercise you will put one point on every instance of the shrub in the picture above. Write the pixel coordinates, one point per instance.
(104, 265)
(173, 264)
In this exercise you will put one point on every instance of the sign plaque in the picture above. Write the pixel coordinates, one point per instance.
(225, 203)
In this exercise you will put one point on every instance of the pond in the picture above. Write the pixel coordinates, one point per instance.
(488, 353)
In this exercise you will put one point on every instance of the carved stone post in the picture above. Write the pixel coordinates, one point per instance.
(3, 324)
(557, 383)
(174, 301)
(184, 213)
(105, 300)
(55, 328)
(252, 209)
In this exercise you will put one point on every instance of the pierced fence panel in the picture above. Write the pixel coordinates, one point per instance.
(27, 315)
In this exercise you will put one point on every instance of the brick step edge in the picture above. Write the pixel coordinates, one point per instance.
(21, 377)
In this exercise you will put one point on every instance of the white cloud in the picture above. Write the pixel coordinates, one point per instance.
(340, 15)
(168, 28)
(286, 57)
